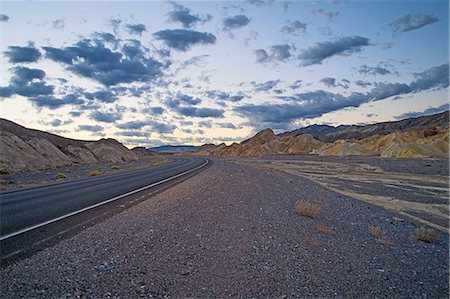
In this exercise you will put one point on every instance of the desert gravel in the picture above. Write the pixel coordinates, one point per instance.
(232, 231)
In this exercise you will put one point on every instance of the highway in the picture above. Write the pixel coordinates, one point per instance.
(25, 210)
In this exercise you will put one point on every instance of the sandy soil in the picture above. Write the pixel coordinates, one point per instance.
(232, 231)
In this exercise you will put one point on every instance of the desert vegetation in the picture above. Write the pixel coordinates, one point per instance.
(94, 173)
(307, 209)
(60, 176)
(426, 235)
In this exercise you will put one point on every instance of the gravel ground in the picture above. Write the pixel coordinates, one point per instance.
(33, 178)
(232, 231)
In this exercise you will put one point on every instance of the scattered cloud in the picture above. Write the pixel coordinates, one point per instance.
(200, 112)
(296, 84)
(58, 24)
(106, 117)
(16, 54)
(343, 46)
(92, 59)
(90, 128)
(373, 70)
(265, 86)
(261, 56)
(182, 39)
(428, 111)
(409, 22)
(235, 22)
(261, 2)
(277, 53)
(329, 14)
(316, 103)
(4, 18)
(133, 125)
(184, 16)
(294, 28)
(136, 29)
(115, 23)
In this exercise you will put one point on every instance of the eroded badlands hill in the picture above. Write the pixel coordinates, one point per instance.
(412, 138)
(26, 149)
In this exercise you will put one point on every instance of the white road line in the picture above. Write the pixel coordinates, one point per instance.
(13, 234)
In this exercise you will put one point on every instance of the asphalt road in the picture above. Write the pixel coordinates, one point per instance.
(24, 209)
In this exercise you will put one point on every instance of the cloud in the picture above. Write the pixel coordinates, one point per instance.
(316, 103)
(296, 84)
(265, 86)
(17, 54)
(56, 122)
(428, 111)
(294, 28)
(377, 70)
(90, 128)
(162, 127)
(226, 125)
(200, 112)
(106, 117)
(154, 110)
(184, 16)
(280, 52)
(52, 102)
(137, 29)
(235, 22)
(132, 134)
(92, 59)
(26, 82)
(343, 46)
(329, 82)
(261, 2)
(435, 77)
(115, 23)
(329, 14)
(205, 124)
(261, 56)
(181, 99)
(58, 24)
(132, 125)
(182, 40)
(104, 96)
(3, 18)
(75, 113)
(409, 22)
(363, 83)
(224, 96)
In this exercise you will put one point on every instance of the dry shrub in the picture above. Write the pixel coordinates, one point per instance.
(3, 182)
(307, 209)
(385, 241)
(425, 235)
(115, 167)
(94, 173)
(60, 176)
(375, 231)
(322, 229)
(5, 171)
(312, 241)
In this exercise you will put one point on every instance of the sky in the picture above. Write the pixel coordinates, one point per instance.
(150, 73)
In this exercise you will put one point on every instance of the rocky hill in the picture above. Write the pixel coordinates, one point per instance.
(327, 133)
(26, 149)
(421, 137)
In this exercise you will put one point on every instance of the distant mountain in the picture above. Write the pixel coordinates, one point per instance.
(173, 148)
(26, 149)
(411, 138)
(141, 151)
(330, 134)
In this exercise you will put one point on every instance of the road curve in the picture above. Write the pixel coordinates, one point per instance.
(23, 210)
